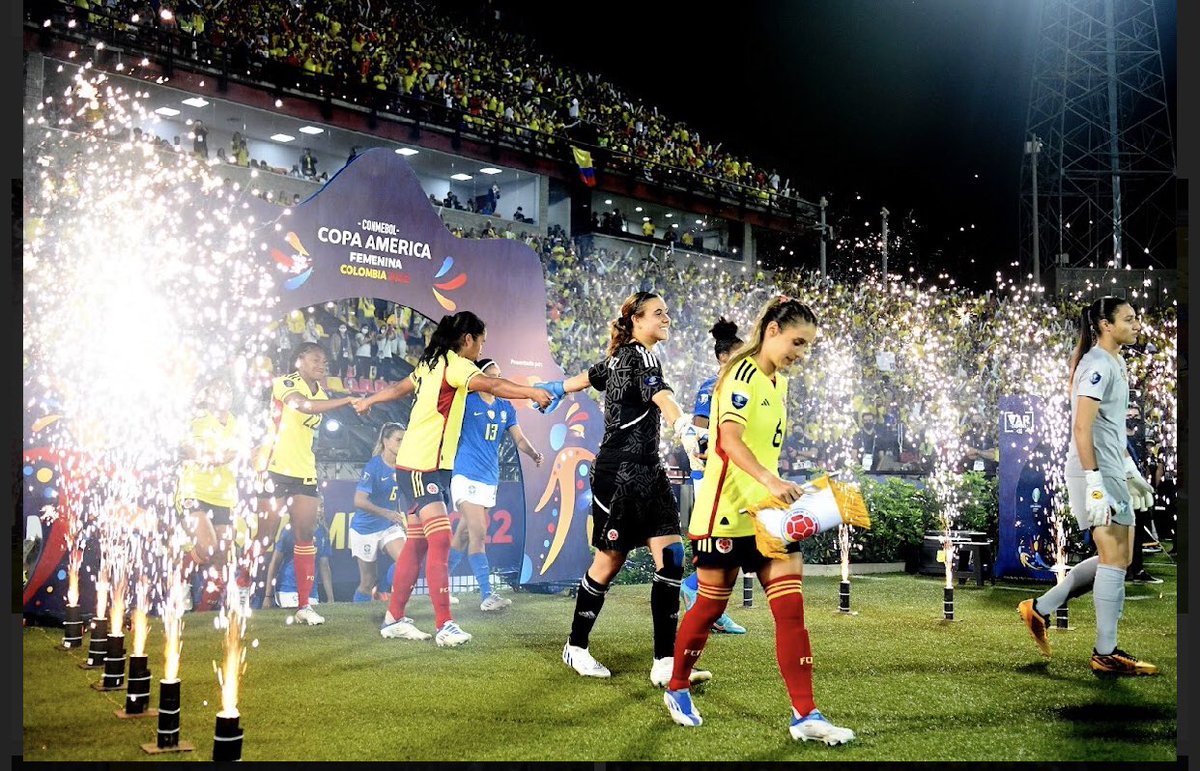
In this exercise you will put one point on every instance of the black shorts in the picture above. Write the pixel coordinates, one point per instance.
(631, 503)
(284, 486)
(218, 515)
(728, 553)
(421, 488)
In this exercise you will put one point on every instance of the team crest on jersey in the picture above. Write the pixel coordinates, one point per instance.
(1095, 378)
(491, 414)
(739, 400)
(431, 488)
(724, 545)
(611, 535)
(289, 383)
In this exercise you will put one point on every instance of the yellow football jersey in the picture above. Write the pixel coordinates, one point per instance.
(292, 449)
(215, 484)
(758, 403)
(431, 440)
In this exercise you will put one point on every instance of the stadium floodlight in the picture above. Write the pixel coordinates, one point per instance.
(461, 177)
(282, 137)
(406, 151)
(490, 170)
(196, 101)
(311, 130)
(167, 112)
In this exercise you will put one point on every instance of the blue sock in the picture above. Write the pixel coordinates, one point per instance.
(455, 557)
(360, 597)
(692, 582)
(479, 566)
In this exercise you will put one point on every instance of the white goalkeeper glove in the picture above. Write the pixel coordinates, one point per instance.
(1140, 491)
(690, 435)
(1099, 506)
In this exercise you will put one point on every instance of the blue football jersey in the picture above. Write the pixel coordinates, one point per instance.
(703, 405)
(378, 481)
(483, 426)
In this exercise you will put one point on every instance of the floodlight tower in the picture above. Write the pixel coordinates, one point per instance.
(1098, 172)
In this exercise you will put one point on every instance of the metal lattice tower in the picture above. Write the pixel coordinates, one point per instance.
(1105, 158)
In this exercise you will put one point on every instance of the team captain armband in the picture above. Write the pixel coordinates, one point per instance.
(826, 504)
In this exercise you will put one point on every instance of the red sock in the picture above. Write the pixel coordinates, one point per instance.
(213, 590)
(786, 597)
(304, 560)
(191, 560)
(694, 630)
(437, 571)
(404, 575)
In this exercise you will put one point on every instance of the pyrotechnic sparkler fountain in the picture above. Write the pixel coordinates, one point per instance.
(137, 692)
(169, 721)
(227, 737)
(98, 645)
(73, 625)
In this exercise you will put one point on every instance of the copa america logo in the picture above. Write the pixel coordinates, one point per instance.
(431, 488)
(611, 535)
(724, 545)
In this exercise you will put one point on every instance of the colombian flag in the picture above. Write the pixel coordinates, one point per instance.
(584, 160)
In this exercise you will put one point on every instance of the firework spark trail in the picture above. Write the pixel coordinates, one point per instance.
(233, 663)
(141, 626)
(155, 255)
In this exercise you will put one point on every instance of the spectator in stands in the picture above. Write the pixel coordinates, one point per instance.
(364, 346)
(339, 346)
(200, 139)
(648, 228)
(308, 165)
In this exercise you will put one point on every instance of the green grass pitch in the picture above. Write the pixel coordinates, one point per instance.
(912, 687)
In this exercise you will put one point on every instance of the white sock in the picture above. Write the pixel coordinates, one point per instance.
(1109, 597)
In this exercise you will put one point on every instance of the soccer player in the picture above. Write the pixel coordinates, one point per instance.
(282, 585)
(725, 334)
(477, 475)
(207, 489)
(632, 502)
(298, 403)
(1104, 487)
(750, 421)
(444, 375)
(377, 523)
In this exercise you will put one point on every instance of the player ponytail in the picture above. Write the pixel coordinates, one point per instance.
(621, 329)
(725, 333)
(784, 311)
(449, 336)
(386, 432)
(1104, 309)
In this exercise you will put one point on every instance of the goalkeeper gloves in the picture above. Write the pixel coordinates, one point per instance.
(556, 390)
(1140, 491)
(1099, 507)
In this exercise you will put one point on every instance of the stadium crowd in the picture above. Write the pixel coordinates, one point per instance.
(455, 68)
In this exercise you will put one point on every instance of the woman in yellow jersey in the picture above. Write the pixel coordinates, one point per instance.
(632, 501)
(208, 487)
(748, 423)
(297, 403)
(425, 461)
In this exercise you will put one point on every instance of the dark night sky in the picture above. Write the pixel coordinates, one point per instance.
(901, 102)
